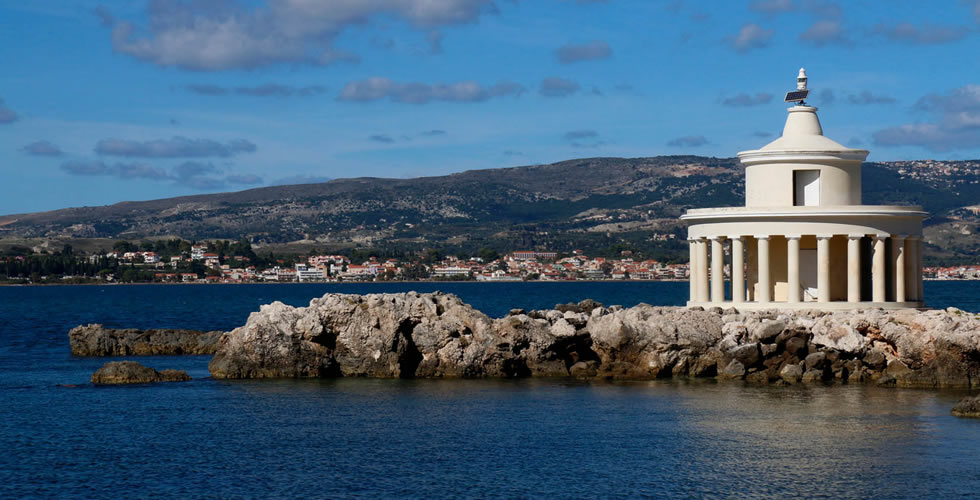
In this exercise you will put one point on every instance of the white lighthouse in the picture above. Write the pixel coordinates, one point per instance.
(803, 238)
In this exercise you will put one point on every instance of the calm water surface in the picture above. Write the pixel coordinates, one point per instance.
(487, 439)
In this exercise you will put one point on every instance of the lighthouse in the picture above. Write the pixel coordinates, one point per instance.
(804, 240)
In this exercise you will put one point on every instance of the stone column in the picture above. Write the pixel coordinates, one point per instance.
(918, 269)
(718, 269)
(854, 267)
(702, 270)
(878, 269)
(911, 275)
(692, 265)
(823, 268)
(765, 284)
(738, 269)
(752, 265)
(898, 256)
(793, 292)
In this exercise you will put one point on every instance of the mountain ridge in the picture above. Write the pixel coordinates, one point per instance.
(559, 205)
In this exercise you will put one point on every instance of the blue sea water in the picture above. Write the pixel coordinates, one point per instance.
(62, 437)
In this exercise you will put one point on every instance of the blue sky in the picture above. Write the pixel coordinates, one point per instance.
(105, 101)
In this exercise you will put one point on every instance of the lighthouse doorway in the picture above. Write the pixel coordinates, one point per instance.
(806, 188)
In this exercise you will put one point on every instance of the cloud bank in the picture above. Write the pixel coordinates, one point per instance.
(216, 35)
(955, 125)
(7, 115)
(176, 147)
(195, 175)
(42, 148)
(265, 90)
(690, 141)
(591, 51)
(377, 88)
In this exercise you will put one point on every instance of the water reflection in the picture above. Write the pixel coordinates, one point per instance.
(636, 438)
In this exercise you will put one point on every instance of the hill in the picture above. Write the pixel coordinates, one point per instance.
(593, 203)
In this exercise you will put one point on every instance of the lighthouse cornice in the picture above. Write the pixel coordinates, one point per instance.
(758, 156)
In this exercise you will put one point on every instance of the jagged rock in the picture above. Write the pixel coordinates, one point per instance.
(733, 370)
(815, 361)
(967, 407)
(583, 369)
(131, 372)
(437, 335)
(767, 331)
(768, 349)
(96, 340)
(811, 376)
(875, 360)
(841, 337)
(586, 306)
(758, 378)
(748, 354)
(796, 346)
(791, 373)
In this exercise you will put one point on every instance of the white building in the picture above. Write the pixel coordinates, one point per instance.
(450, 271)
(803, 238)
(306, 273)
(197, 252)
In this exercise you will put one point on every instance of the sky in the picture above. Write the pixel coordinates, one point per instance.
(113, 100)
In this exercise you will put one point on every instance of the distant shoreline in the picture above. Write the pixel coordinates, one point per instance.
(348, 282)
(370, 282)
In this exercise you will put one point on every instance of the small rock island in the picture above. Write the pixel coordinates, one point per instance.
(97, 340)
(131, 372)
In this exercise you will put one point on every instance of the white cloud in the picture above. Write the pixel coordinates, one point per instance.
(956, 125)
(42, 148)
(210, 35)
(744, 100)
(594, 50)
(925, 35)
(176, 147)
(750, 36)
(374, 89)
(826, 32)
(7, 115)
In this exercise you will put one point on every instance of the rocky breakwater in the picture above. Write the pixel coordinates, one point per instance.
(97, 340)
(437, 335)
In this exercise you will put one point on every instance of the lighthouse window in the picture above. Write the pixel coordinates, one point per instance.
(806, 188)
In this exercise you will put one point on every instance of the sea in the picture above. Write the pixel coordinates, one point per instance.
(61, 437)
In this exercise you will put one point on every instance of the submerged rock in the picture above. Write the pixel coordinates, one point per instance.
(437, 335)
(131, 372)
(97, 340)
(967, 407)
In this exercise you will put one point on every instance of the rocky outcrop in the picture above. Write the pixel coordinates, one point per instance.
(437, 335)
(131, 372)
(96, 340)
(967, 407)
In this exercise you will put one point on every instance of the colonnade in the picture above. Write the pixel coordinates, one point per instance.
(896, 272)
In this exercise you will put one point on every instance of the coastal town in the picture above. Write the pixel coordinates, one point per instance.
(515, 266)
(208, 263)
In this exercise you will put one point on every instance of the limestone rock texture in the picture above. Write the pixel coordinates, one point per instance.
(437, 335)
(131, 372)
(97, 340)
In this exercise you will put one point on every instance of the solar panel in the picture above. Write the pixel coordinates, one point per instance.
(797, 95)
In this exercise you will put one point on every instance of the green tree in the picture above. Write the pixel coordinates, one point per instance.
(488, 254)
(124, 246)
